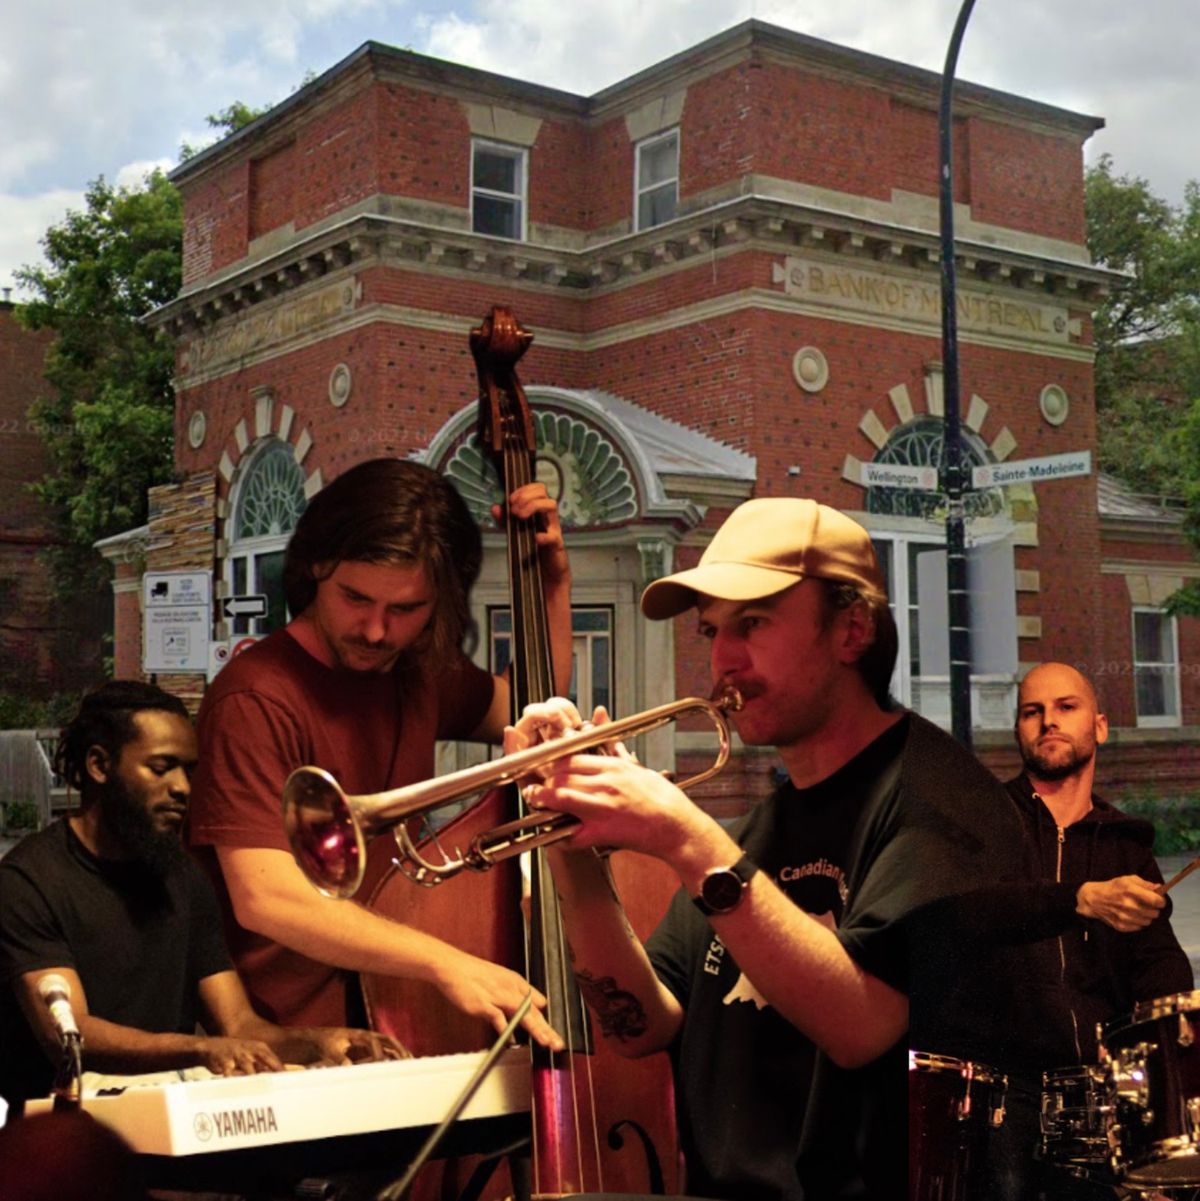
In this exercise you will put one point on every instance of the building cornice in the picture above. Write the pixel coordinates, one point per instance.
(745, 222)
(751, 40)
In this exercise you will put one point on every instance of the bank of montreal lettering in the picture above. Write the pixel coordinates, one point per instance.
(869, 291)
(231, 1123)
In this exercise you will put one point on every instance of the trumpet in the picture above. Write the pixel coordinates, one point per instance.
(329, 830)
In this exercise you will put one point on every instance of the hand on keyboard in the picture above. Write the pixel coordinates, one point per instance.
(238, 1056)
(337, 1045)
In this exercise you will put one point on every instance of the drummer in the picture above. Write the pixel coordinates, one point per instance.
(1116, 945)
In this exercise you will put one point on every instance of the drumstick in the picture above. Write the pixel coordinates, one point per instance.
(1179, 875)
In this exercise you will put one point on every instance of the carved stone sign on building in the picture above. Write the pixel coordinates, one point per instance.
(918, 300)
(251, 333)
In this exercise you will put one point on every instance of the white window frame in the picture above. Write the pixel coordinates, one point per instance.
(584, 656)
(1153, 720)
(993, 695)
(520, 197)
(250, 549)
(638, 190)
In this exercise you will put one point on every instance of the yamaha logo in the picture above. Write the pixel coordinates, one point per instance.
(203, 1127)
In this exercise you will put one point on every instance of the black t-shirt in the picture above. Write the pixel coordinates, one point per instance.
(884, 850)
(140, 944)
(744, 1074)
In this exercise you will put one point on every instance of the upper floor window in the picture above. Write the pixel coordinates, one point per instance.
(498, 185)
(656, 179)
(1155, 668)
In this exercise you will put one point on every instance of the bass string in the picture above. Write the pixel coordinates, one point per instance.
(526, 581)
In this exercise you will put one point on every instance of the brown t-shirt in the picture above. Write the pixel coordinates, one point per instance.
(275, 708)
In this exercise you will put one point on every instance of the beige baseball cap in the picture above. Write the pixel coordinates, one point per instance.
(767, 545)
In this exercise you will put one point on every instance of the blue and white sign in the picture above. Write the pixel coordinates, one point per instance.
(176, 620)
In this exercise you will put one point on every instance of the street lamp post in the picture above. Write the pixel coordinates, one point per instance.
(953, 467)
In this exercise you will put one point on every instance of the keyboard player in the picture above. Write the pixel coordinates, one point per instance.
(108, 899)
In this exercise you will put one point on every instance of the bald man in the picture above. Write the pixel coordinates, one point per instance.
(1115, 946)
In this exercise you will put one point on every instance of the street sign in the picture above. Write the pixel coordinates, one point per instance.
(220, 654)
(244, 606)
(176, 621)
(899, 475)
(1032, 471)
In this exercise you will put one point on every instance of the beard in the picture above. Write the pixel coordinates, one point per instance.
(159, 851)
(1045, 767)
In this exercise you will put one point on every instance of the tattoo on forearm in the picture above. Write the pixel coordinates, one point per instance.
(621, 1014)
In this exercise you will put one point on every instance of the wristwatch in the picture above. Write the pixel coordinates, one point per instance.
(722, 888)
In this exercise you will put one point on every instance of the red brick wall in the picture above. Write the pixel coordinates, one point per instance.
(1027, 180)
(424, 145)
(272, 190)
(44, 645)
(216, 224)
(560, 193)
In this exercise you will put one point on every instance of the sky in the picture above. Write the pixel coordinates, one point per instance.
(113, 89)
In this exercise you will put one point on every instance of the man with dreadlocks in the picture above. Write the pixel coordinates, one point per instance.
(108, 898)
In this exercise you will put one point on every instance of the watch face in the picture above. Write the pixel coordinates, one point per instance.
(722, 890)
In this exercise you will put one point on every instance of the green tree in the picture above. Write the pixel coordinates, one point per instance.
(229, 120)
(1147, 331)
(107, 416)
(1147, 336)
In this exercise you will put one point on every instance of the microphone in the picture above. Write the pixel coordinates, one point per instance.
(55, 991)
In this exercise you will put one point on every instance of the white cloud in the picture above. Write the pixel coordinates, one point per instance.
(25, 220)
(133, 175)
(86, 87)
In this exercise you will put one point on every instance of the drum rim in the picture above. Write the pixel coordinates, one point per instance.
(1148, 1011)
(1178, 1146)
(1072, 1072)
(931, 1061)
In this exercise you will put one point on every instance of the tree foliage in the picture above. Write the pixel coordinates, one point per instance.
(229, 120)
(1147, 337)
(107, 414)
(1147, 332)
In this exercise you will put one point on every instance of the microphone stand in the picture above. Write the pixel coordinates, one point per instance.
(397, 1190)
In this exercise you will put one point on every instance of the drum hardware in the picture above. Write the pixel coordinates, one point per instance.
(1153, 1068)
(1077, 1121)
(954, 1104)
(1127, 1074)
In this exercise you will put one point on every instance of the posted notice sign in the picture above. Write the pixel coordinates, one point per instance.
(176, 620)
(1033, 471)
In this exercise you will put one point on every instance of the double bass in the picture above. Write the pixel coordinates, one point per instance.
(587, 1102)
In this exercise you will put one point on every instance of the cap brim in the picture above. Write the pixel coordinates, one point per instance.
(674, 594)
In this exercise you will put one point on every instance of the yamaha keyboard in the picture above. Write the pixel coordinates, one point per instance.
(228, 1131)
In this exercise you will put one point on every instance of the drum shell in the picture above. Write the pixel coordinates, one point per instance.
(952, 1106)
(1152, 1061)
(1076, 1117)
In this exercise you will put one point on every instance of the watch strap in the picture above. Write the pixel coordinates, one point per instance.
(744, 869)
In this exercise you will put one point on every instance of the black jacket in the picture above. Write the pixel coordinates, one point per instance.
(1054, 990)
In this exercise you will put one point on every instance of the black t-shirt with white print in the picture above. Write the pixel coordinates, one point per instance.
(744, 1075)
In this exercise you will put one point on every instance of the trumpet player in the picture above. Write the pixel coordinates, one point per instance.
(780, 976)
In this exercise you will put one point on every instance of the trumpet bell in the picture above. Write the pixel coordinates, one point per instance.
(326, 838)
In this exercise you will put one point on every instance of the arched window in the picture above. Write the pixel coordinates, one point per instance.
(267, 503)
(918, 443)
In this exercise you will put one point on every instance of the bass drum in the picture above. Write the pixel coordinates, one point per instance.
(1152, 1061)
(953, 1105)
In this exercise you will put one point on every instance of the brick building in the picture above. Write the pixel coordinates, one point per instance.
(45, 646)
(730, 264)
